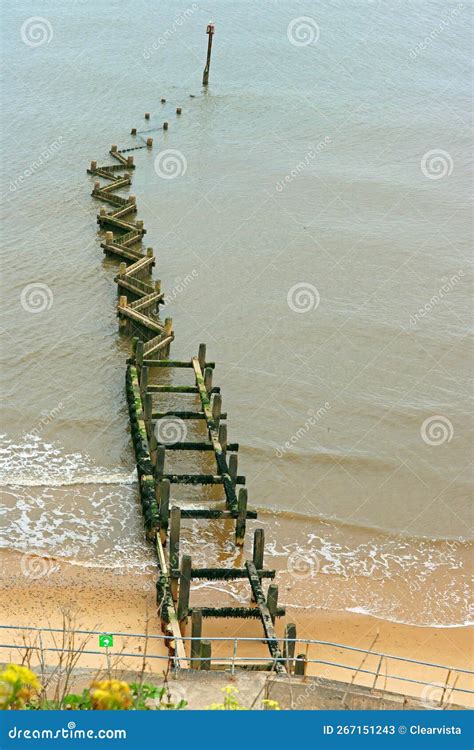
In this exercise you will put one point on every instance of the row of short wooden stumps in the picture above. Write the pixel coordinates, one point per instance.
(138, 305)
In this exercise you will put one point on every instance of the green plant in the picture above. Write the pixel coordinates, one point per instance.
(231, 703)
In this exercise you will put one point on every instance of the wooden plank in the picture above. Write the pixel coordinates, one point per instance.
(173, 363)
(241, 613)
(213, 431)
(189, 446)
(228, 574)
(199, 478)
(181, 414)
(147, 301)
(130, 286)
(158, 343)
(142, 263)
(210, 513)
(177, 389)
(146, 322)
(180, 651)
(119, 182)
(265, 616)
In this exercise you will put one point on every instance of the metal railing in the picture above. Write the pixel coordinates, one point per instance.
(233, 661)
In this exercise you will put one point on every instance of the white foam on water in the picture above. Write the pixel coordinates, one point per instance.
(34, 463)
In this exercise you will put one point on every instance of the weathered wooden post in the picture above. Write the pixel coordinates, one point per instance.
(149, 142)
(202, 356)
(122, 303)
(178, 110)
(258, 548)
(233, 462)
(205, 655)
(160, 462)
(208, 380)
(153, 446)
(164, 510)
(289, 645)
(258, 551)
(147, 115)
(147, 411)
(175, 526)
(139, 353)
(272, 600)
(165, 126)
(210, 34)
(300, 665)
(109, 238)
(223, 436)
(93, 166)
(133, 131)
(184, 591)
(216, 409)
(196, 631)
(143, 378)
(241, 518)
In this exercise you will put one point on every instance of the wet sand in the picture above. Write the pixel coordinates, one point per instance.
(112, 602)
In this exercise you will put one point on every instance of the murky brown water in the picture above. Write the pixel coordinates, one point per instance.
(317, 241)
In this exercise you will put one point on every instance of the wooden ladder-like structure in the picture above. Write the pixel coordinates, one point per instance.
(138, 310)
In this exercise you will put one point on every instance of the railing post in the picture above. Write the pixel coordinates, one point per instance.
(206, 655)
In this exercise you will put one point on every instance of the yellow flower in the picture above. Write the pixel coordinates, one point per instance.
(17, 686)
(110, 695)
(270, 705)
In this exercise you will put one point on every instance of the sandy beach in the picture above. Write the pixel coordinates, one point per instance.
(107, 601)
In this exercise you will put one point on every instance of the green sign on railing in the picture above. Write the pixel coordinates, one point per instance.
(106, 640)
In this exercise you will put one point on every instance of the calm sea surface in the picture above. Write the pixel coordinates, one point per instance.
(317, 239)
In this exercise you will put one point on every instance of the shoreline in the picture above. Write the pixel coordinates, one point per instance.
(102, 600)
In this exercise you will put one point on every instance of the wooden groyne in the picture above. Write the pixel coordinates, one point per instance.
(140, 299)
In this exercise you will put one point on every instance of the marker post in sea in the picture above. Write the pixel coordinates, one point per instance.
(210, 34)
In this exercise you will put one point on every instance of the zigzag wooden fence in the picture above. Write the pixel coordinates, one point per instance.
(138, 306)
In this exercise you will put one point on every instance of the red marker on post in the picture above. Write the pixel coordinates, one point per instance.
(210, 33)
